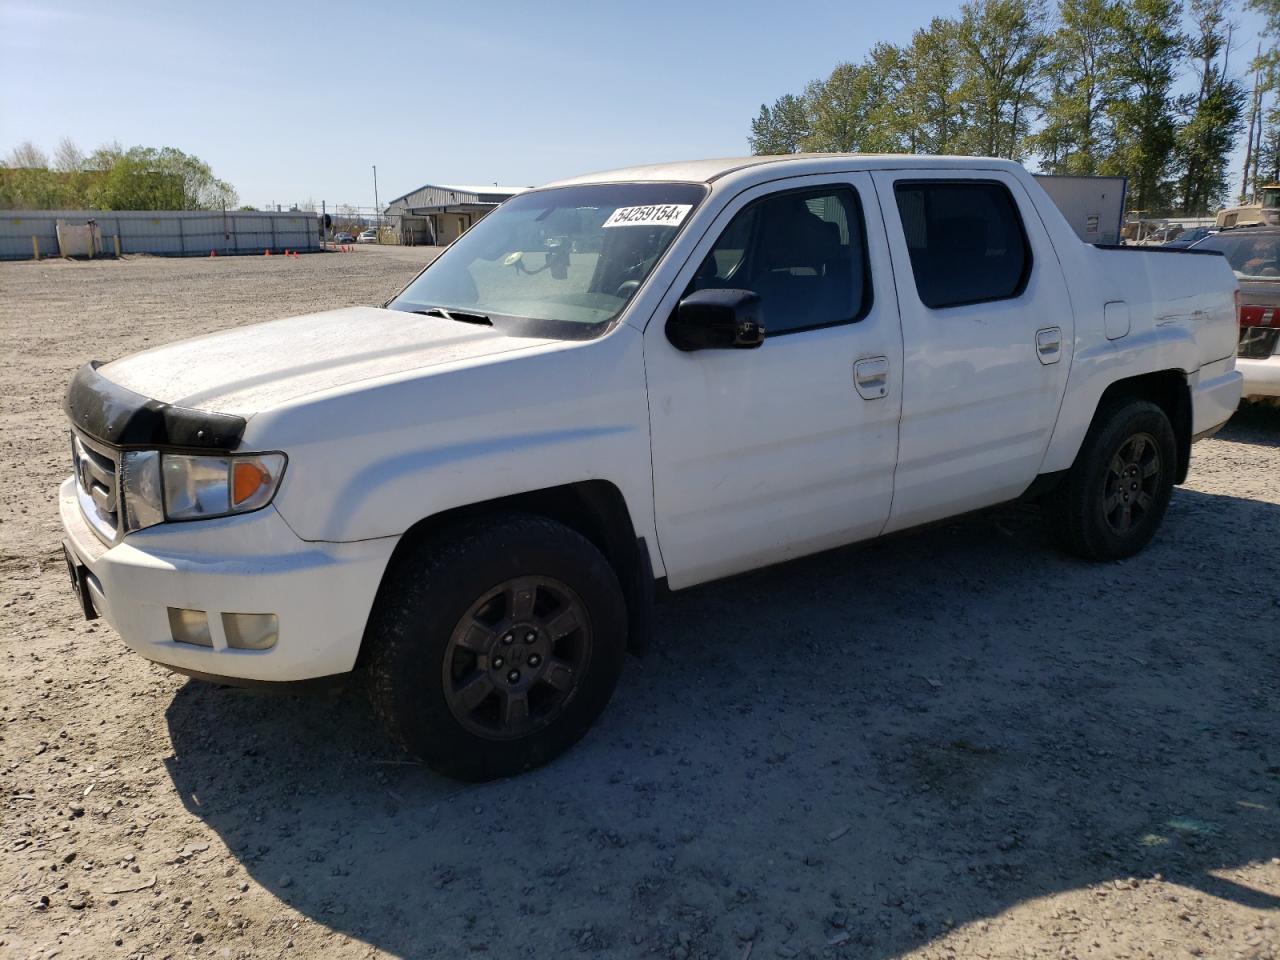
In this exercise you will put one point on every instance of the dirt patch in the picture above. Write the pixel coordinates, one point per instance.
(1033, 757)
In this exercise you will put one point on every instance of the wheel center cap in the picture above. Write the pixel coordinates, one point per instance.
(518, 654)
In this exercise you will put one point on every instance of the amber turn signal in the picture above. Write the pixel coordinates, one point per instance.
(247, 478)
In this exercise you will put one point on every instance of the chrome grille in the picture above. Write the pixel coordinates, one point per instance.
(95, 468)
(1258, 343)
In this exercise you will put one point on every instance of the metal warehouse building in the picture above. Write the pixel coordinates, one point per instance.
(439, 214)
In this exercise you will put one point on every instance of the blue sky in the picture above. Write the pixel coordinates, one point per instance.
(295, 101)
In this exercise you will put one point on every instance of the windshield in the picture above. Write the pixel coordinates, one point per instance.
(1252, 256)
(555, 263)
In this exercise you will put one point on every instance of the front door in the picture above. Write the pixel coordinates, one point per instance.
(760, 455)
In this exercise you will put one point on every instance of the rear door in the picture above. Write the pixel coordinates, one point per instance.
(764, 454)
(987, 332)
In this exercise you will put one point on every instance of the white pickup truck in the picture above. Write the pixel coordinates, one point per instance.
(663, 374)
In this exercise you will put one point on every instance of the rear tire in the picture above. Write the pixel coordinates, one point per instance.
(1113, 499)
(495, 645)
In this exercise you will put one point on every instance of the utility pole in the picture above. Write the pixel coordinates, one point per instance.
(377, 212)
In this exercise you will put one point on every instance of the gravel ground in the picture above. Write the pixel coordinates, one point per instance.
(955, 742)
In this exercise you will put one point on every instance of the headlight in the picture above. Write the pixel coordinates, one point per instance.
(173, 486)
(142, 501)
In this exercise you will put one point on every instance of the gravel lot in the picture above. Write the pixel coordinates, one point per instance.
(955, 742)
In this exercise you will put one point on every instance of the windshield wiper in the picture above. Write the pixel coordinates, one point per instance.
(459, 315)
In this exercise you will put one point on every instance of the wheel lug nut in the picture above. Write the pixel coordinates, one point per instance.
(530, 637)
(497, 663)
(513, 676)
(507, 638)
(534, 659)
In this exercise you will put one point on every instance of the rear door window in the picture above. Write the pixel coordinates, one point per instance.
(966, 241)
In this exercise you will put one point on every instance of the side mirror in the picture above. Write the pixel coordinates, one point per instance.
(717, 320)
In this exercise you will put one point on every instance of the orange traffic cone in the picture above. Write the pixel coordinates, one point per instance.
(213, 253)
(266, 252)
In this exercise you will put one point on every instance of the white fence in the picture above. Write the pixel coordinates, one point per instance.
(172, 233)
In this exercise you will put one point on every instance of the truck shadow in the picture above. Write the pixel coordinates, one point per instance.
(876, 745)
(1254, 423)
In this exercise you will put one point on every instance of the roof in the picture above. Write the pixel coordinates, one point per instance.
(473, 191)
(482, 188)
(708, 171)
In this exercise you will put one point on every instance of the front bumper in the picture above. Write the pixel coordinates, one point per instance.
(1261, 377)
(321, 592)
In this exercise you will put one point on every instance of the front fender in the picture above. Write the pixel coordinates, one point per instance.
(372, 462)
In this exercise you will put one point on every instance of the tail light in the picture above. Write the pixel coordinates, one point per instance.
(1251, 315)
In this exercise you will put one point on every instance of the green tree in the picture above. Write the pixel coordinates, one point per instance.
(1213, 113)
(781, 128)
(147, 178)
(933, 89)
(1003, 44)
(112, 178)
(26, 183)
(841, 108)
(1270, 11)
(1149, 47)
(1080, 67)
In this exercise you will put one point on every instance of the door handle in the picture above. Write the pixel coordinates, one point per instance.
(871, 377)
(1049, 344)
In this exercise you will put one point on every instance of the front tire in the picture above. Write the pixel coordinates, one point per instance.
(495, 645)
(1113, 499)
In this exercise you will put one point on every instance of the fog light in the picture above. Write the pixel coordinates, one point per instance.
(190, 626)
(251, 631)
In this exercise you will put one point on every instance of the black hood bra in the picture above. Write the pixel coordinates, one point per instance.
(111, 414)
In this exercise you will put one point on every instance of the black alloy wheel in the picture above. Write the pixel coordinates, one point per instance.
(515, 658)
(1132, 483)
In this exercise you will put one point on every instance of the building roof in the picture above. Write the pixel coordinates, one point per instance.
(464, 193)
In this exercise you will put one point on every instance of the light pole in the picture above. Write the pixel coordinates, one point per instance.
(377, 213)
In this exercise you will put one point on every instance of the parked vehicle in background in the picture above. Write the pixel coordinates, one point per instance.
(1265, 212)
(668, 373)
(1192, 236)
(1162, 235)
(367, 236)
(1254, 255)
(343, 238)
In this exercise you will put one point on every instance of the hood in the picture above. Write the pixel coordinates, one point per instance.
(245, 370)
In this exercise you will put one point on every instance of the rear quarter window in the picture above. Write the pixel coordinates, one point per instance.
(966, 241)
